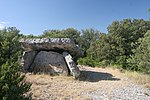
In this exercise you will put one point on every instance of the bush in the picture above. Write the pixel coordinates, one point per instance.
(12, 83)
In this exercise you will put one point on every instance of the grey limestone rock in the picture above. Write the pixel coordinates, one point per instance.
(49, 62)
(27, 59)
(53, 44)
(71, 64)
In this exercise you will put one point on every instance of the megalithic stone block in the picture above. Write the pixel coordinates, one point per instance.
(71, 64)
(52, 44)
(49, 62)
(27, 60)
(50, 55)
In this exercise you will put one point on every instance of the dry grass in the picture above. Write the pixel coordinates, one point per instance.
(59, 87)
(64, 87)
(139, 78)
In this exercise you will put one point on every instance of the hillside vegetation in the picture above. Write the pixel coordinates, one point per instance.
(126, 46)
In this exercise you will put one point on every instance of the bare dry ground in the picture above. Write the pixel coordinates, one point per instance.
(46, 87)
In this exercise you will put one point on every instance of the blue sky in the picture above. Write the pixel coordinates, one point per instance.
(35, 16)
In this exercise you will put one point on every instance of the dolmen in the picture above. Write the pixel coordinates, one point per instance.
(50, 55)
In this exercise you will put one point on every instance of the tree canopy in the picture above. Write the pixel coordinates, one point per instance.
(12, 83)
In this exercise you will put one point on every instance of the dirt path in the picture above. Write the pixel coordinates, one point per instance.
(94, 84)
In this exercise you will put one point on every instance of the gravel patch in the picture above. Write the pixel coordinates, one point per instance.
(130, 92)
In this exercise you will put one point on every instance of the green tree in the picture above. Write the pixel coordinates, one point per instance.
(10, 46)
(52, 34)
(117, 46)
(101, 52)
(12, 82)
(67, 33)
(88, 41)
(125, 35)
(71, 33)
(140, 61)
(87, 37)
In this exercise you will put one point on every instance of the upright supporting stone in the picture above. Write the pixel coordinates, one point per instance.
(71, 64)
(49, 62)
(27, 60)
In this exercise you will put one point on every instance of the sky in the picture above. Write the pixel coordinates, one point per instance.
(35, 16)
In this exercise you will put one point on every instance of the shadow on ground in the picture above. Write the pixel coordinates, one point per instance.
(92, 76)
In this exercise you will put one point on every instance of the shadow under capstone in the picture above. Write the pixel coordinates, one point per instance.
(93, 76)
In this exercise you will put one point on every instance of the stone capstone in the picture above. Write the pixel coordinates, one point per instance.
(53, 44)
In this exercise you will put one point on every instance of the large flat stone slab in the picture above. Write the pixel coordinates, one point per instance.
(52, 44)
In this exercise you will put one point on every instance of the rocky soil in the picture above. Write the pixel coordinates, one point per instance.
(94, 84)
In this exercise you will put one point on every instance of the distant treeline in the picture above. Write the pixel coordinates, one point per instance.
(126, 45)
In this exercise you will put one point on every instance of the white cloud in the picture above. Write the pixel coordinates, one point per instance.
(3, 25)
